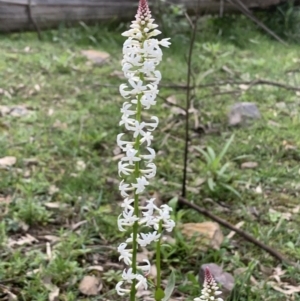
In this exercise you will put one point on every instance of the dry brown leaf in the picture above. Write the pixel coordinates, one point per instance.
(232, 233)
(48, 251)
(118, 74)
(53, 189)
(273, 123)
(285, 288)
(79, 224)
(80, 165)
(244, 87)
(90, 286)
(95, 268)
(4, 110)
(54, 294)
(5, 199)
(277, 273)
(54, 205)
(37, 87)
(249, 165)
(258, 189)
(31, 161)
(288, 145)
(10, 295)
(60, 125)
(294, 210)
(207, 234)
(24, 240)
(50, 112)
(51, 238)
(7, 161)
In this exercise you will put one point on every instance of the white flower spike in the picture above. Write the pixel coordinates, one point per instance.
(210, 289)
(141, 56)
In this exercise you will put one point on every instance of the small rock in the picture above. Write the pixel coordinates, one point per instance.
(206, 235)
(97, 57)
(8, 161)
(280, 105)
(223, 279)
(241, 112)
(90, 286)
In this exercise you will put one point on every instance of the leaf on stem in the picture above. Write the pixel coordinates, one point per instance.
(170, 287)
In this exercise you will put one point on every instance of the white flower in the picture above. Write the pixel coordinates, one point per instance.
(123, 168)
(137, 128)
(128, 219)
(123, 187)
(165, 217)
(125, 109)
(150, 157)
(133, 58)
(125, 254)
(147, 238)
(131, 156)
(148, 100)
(140, 184)
(123, 92)
(142, 281)
(169, 225)
(121, 291)
(150, 172)
(165, 42)
(145, 268)
(148, 67)
(121, 143)
(147, 137)
(153, 125)
(138, 87)
(128, 122)
(127, 204)
(150, 206)
(128, 275)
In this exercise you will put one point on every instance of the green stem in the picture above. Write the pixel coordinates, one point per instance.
(158, 260)
(136, 205)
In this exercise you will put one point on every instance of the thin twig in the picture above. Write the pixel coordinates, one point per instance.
(35, 25)
(188, 103)
(171, 103)
(244, 9)
(251, 83)
(231, 82)
(242, 233)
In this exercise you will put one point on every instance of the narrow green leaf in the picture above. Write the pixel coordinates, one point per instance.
(211, 184)
(211, 153)
(230, 188)
(225, 149)
(170, 287)
(173, 203)
(223, 169)
(205, 154)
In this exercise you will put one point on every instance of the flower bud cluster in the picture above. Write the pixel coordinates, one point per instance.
(210, 289)
(141, 55)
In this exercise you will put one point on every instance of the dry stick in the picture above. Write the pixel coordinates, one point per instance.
(188, 102)
(36, 27)
(219, 83)
(242, 233)
(244, 9)
(223, 83)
